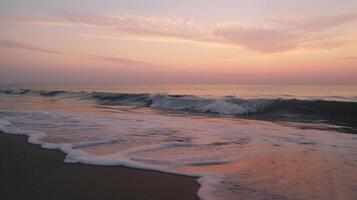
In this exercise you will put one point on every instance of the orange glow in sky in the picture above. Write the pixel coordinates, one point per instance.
(134, 41)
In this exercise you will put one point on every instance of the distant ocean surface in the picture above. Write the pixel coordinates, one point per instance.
(242, 141)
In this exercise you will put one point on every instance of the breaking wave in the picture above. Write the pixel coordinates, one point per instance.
(342, 112)
(229, 106)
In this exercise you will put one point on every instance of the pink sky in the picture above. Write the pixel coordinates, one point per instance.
(156, 41)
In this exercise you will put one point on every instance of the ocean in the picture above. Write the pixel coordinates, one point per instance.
(241, 141)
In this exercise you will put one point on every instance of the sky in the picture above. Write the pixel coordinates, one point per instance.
(171, 41)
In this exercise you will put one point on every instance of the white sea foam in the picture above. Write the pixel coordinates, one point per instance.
(210, 184)
(94, 143)
(221, 106)
(74, 154)
(172, 144)
(13, 90)
(33, 136)
(4, 122)
(207, 162)
(224, 107)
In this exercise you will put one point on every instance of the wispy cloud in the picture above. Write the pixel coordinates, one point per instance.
(279, 36)
(266, 40)
(18, 45)
(136, 24)
(118, 60)
(329, 41)
(318, 23)
(287, 35)
(22, 46)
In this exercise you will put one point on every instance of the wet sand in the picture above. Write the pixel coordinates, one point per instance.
(29, 172)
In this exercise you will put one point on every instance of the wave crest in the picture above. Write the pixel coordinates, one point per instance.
(231, 106)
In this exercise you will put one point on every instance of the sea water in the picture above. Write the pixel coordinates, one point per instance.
(241, 141)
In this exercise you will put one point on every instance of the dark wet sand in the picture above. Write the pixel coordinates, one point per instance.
(28, 172)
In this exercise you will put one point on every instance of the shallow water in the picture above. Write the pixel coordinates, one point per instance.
(235, 156)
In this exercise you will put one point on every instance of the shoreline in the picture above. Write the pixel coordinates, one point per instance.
(28, 171)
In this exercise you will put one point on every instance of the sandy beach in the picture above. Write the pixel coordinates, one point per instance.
(29, 172)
